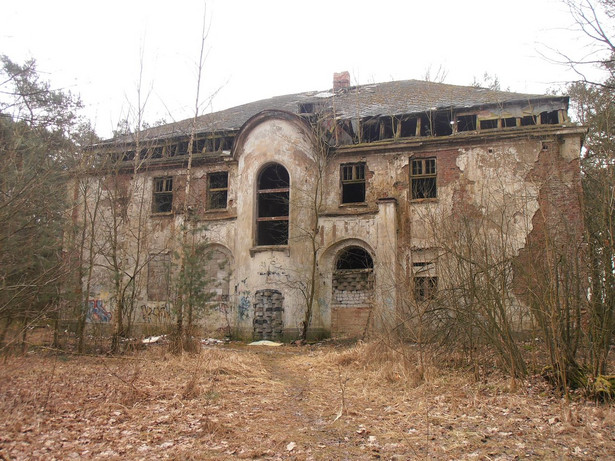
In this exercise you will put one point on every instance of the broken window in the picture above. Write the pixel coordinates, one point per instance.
(425, 288)
(466, 123)
(442, 124)
(217, 190)
(489, 124)
(387, 130)
(163, 195)
(273, 206)
(549, 118)
(509, 122)
(370, 130)
(158, 277)
(423, 178)
(353, 280)
(354, 258)
(528, 120)
(408, 127)
(353, 182)
(306, 108)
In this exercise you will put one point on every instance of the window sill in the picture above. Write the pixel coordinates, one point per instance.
(216, 210)
(264, 248)
(354, 204)
(424, 200)
(162, 214)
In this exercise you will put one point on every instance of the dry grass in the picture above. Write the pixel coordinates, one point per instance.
(362, 402)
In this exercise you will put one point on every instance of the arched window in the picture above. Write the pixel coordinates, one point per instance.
(272, 206)
(353, 279)
(354, 258)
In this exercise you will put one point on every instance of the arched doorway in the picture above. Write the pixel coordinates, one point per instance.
(353, 290)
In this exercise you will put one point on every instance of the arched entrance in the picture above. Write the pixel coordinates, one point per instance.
(353, 290)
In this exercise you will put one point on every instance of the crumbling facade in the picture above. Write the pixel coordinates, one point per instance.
(340, 198)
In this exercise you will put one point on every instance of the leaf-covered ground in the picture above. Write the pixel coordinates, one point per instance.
(317, 402)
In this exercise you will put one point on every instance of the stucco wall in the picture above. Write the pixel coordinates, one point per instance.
(500, 180)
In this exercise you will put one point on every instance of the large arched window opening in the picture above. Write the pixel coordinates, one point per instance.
(272, 206)
(353, 279)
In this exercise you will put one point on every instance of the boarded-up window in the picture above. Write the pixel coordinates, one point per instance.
(158, 277)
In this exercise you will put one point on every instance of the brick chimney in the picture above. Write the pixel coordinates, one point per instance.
(341, 80)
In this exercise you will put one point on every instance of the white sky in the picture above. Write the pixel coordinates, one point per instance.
(259, 49)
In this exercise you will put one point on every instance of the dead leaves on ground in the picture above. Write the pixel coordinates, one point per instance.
(283, 404)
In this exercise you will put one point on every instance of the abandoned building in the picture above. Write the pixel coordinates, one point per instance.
(338, 196)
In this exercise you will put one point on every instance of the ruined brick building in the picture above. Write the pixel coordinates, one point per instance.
(346, 191)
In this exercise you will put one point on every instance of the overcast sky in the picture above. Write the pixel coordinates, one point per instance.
(259, 49)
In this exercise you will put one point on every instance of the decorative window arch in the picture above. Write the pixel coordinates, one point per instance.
(272, 195)
(353, 277)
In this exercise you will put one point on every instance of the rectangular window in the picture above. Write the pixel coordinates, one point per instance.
(217, 190)
(423, 178)
(353, 182)
(158, 277)
(425, 288)
(163, 195)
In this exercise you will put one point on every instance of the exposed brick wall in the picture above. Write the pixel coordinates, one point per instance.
(353, 287)
(350, 321)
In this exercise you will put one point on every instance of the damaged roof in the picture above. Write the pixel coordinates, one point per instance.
(378, 99)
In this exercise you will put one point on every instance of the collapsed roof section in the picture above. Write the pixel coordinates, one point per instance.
(363, 114)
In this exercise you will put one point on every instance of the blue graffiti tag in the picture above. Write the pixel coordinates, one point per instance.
(243, 308)
(97, 311)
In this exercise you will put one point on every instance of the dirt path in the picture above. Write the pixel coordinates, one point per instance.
(283, 403)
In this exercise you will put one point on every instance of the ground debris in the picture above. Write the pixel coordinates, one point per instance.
(280, 403)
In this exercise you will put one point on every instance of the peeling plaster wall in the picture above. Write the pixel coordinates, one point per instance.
(499, 180)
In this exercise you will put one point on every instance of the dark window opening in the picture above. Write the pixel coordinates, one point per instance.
(466, 123)
(426, 125)
(157, 152)
(528, 120)
(353, 182)
(549, 118)
(163, 195)
(217, 190)
(489, 124)
(307, 108)
(423, 178)
(182, 148)
(408, 127)
(442, 124)
(425, 288)
(273, 206)
(386, 128)
(226, 143)
(354, 258)
(509, 122)
(370, 130)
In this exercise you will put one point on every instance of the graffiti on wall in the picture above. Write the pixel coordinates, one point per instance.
(158, 313)
(97, 311)
(243, 308)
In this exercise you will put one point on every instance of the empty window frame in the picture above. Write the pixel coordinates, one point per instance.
(425, 288)
(489, 124)
(217, 190)
(273, 206)
(466, 123)
(423, 178)
(163, 195)
(352, 176)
